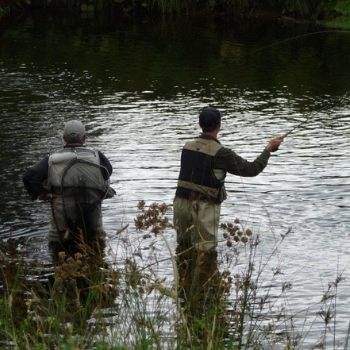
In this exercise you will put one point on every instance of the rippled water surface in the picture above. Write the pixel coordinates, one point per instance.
(139, 87)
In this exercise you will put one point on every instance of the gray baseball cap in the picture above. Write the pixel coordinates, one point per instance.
(74, 131)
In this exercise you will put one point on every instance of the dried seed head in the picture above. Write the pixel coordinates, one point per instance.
(244, 239)
(248, 232)
(235, 228)
(229, 243)
(236, 238)
(236, 221)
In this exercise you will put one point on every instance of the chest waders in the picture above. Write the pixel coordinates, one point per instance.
(75, 176)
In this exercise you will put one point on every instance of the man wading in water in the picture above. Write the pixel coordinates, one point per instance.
(75, 180)
(199, 194)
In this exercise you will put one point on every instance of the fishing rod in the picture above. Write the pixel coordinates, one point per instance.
(308, 117)
(296, 127)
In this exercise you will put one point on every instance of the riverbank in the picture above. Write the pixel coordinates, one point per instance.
(138, 87)
(123, 301)
(336, 15)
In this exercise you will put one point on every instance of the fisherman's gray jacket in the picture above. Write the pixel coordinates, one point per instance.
(74, 169)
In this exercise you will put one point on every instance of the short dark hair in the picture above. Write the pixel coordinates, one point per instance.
(209, 119)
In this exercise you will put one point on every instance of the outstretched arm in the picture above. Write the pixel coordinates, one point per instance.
(235, 164)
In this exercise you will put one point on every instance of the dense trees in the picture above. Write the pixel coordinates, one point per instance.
(314, 10)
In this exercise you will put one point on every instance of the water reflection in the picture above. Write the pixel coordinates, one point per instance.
(139, 88)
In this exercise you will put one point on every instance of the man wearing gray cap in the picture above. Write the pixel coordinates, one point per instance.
(75, 180)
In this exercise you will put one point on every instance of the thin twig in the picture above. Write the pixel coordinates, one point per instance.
(347, 338)
(122, 229)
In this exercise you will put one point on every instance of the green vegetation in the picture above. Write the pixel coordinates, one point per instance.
(335, 12)
(9, 7)
(341, 16)
(89, 304)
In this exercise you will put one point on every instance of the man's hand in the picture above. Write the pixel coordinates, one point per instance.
(274, 143)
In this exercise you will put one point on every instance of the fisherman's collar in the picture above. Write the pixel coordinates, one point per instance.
(69, 145)
(209, 137)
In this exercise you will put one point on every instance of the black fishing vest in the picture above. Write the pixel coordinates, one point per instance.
(198, 178)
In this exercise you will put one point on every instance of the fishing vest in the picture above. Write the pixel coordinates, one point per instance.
(197, 173)
(74, 168)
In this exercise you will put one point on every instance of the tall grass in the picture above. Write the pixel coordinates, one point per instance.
(123, 303)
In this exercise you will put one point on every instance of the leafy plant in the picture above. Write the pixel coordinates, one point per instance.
(89, 303)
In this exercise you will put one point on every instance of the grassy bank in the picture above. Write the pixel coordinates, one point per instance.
(121, 302)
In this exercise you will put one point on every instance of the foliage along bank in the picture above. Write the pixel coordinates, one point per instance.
(334, 12)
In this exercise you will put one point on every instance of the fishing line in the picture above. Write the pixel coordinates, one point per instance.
(311, 114)
(295, 128)
(298, 126)
(301, 36)
(303, 123)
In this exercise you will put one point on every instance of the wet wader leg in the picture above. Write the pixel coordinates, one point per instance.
(205, 216)
(184, 249)
(197, 225)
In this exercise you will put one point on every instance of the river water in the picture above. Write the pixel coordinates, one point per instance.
(139, 87)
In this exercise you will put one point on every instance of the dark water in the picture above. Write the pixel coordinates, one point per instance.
(139, 87)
